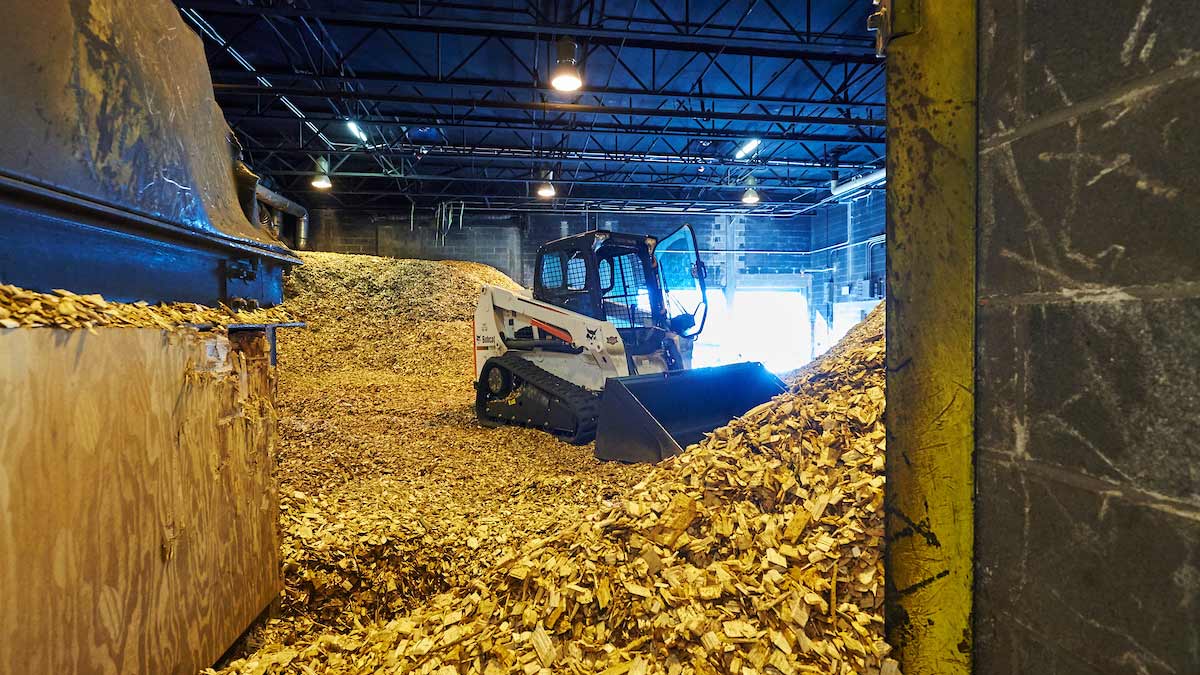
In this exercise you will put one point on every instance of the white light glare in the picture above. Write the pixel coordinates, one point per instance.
(566, 78)
(747, 148)
(546, 190)
(322, 182)
(750, 196)
(354, 129)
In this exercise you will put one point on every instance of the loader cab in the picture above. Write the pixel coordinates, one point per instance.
(643, 286)
(605, 275)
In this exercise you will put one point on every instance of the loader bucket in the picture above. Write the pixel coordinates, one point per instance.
(647, 418)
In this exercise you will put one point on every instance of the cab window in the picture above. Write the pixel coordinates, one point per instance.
(552, 271)
(576, 273)
(606, 275)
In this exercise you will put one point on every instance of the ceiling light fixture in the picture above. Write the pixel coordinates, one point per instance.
(750, 196)
(321, 181)
(566, 76)
(546, 189)
(747, 148)
(356, 130)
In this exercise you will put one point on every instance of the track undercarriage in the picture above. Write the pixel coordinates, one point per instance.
(511, 390)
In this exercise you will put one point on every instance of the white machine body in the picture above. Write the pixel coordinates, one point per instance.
(598, 354)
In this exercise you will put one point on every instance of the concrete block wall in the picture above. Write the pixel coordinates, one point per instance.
(867, 220)
(331, 230)
(1088, 339)
(495, 240)
(510, 241)
(856, 223)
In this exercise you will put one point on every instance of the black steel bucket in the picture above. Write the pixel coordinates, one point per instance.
(646, 418)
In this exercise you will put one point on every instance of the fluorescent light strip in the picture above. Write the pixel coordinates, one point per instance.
(356, 130)
(747, 148)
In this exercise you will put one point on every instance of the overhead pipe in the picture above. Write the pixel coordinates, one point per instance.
(462, 206)
(838, 189)
(302, 232)
(246, 183)
(281, 203)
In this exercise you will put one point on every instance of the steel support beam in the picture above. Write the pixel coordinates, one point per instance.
(683, 21)
(546, 106)
(399, 189)
(497, 154)
(639, 39)
(566, 127)
(370, 201)
(590, 179)
(233, 76)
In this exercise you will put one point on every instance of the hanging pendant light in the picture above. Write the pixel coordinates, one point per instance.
(321, 180)
(546, 190)
(566, 75)
(750, 196)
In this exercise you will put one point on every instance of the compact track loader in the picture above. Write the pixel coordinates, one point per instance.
(602, 348)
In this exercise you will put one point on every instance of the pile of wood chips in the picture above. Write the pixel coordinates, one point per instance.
(21, 308)
(759, 550)
(391, 492)
(343, 555)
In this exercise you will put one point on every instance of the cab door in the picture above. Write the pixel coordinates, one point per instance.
(681, 274)
(565, 278)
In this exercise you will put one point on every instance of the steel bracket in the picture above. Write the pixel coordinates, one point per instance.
(893, 19)
(243, 269)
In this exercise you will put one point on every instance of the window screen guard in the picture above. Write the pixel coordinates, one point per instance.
(552, 271)
(627, 302)
(576, 274)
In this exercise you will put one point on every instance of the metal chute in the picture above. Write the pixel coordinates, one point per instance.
(647, 418)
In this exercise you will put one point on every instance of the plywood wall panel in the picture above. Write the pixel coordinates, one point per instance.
(137, 503)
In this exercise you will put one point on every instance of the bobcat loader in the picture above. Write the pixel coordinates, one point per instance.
(601, 349)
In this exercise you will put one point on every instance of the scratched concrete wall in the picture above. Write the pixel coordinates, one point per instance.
(1088, 382)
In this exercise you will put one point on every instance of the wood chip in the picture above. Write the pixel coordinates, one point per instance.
(757, 550)
(21, 308)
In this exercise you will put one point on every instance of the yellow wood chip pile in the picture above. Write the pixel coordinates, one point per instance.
(391, 490)
(756, 551)
(21, 308)
(344, 557)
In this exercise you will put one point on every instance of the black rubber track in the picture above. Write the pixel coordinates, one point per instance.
(562, 400)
